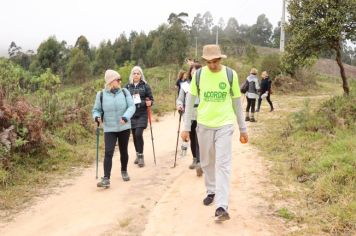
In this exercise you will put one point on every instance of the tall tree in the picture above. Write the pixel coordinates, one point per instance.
(276, 37)
(83, 44)
(122, 49)
(177, 19)
(319, 25)
(104, 58)
(78, 66)
(261, 32)
(52, 54)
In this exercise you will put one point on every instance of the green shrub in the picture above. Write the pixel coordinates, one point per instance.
(271, 64)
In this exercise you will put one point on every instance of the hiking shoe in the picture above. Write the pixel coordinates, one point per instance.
(125, 176)
(221, 215)
(253, 119)
(247, 118)
(272, 109)
(104, 183)
(194, 163)
(141, 162)
(136, 160)
(199, 170)
(209, 199)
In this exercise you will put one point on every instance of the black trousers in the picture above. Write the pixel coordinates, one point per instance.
(194, 145)
(268, 100)
(251, 103)
(137, 134)
(110, 139)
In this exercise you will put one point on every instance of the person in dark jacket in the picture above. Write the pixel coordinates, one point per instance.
(142, 97)
(265, 92)
(114, 104)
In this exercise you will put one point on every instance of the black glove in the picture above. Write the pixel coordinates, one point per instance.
(124, 119)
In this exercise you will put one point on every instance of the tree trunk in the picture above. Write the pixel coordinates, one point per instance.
(345, 84)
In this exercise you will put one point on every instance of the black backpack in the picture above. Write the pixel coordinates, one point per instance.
(229, 74)
(244, 87)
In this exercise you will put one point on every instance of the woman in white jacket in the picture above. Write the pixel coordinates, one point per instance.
(252, 95)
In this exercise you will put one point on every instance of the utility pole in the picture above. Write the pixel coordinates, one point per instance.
(282, 37)
(217, 35)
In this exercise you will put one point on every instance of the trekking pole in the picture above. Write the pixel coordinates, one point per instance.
(150, 120)
(97, 149)
(175, 99)
(175, 156)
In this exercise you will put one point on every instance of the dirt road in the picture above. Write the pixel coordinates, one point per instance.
(157, 201)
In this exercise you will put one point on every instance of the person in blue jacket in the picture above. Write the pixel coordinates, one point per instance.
(114, 107)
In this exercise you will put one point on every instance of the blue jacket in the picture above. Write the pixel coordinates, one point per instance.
(115, 106)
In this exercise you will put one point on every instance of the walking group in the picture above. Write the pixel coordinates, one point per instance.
(209, 101)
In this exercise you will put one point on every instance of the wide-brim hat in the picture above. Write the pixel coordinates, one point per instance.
(212, 51)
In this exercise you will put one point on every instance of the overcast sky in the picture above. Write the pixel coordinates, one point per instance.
(29, 22)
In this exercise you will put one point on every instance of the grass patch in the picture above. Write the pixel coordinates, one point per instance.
(312, 145)
(285, 213)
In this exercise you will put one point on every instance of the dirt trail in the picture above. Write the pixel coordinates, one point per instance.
(157, 201)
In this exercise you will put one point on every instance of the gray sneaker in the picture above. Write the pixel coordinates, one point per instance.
(104, 183)
(199, 170)
(136, 160)
(194, 164)
(125, 176)
(141, 162)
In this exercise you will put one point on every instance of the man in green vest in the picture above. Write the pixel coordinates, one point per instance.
(218, 89)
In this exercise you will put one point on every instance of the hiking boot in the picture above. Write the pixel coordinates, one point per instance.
(136, 160)
(247, 118)
(104, 183)
(253, 119)
(125, 176)
(221, 215)
(199, 170)
(141, 162)
(272, 109)
(209, 199)
(194, 163)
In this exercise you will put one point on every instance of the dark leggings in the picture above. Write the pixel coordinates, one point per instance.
(251, 102)
(138, 139)
(110, 139)
(268, 100)
(194, 145)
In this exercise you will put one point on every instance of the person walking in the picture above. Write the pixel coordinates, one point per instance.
(114, 107)
(217, 87)
(252, 95)
(181, 79)
(266, 89)
(142, 97)
(181, 101)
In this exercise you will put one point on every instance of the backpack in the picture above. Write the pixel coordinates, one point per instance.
(101, 103)
(244, 87)
(229, 74)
